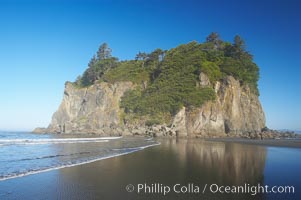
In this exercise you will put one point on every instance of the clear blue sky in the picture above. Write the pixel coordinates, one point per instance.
(45, 43)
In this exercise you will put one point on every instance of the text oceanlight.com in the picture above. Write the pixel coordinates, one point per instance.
(191, 188)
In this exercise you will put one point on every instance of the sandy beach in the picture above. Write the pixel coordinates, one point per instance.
(173, 162)
(292, 143)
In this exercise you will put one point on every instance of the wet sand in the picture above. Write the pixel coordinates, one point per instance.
(293, 143)
(174, 161)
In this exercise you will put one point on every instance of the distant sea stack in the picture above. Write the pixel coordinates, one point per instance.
(197, 90)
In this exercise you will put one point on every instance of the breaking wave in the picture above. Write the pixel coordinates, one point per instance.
(26, 154)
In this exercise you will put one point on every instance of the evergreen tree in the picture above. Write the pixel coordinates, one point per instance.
(239, 43)
(215, 39)
(156, 55)
(92, 62)
(104, 52)
(141, 56)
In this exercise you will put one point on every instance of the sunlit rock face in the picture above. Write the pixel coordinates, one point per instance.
(96, 109)
(90, 110)
(235, 111)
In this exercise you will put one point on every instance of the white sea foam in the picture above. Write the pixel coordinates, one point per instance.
(137, 148)
(52, 142)
(148, 139)
(56, 141)
(75, 164)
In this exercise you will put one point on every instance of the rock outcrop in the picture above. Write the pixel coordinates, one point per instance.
(96, 109)
(90, 110)
(235, 111)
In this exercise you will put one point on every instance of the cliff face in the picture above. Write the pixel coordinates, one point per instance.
(90, 110)
(96, 110)
(235, 111)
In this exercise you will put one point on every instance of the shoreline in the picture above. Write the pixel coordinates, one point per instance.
(176, 160)
(282, 143)
(288, 143)
(78, 164)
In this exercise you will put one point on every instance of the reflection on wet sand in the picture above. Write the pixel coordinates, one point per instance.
(231, 162)
(174, 161)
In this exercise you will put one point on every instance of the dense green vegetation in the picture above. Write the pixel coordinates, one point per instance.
(172, 76)
(128, 71)
(98, 66)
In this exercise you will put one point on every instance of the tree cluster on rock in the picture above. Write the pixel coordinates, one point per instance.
(98, 66)
(171, 78)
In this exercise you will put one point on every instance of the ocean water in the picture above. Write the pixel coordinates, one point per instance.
(174, 161)
(23, 153)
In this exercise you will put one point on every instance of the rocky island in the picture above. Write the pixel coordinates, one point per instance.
(194, 90)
